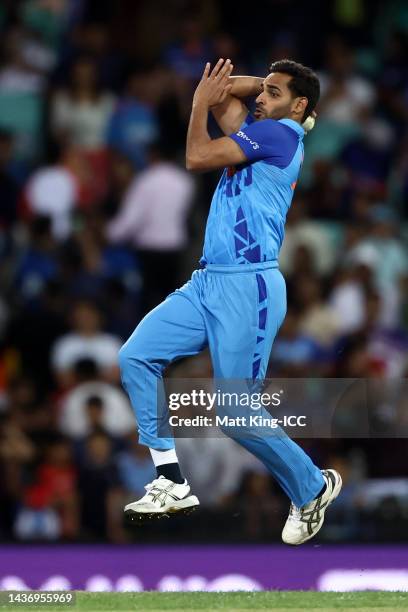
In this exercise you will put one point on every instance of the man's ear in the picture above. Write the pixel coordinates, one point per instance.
(300, 105)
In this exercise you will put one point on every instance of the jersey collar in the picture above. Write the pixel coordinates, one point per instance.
(294, 125)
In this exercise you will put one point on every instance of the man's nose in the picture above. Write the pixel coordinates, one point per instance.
(259, 99)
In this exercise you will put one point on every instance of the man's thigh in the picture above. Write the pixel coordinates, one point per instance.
(174, 329)
(243, 324)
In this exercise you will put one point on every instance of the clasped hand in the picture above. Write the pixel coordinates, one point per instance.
(214, 87)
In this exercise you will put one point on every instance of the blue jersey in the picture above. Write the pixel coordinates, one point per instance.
(248, 210)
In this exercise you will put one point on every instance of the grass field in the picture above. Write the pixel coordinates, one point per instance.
(367, 601)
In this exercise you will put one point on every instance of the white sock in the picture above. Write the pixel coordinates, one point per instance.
(162, 457)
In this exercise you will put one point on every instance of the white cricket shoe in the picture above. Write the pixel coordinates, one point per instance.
(303, 523)
(163, 497)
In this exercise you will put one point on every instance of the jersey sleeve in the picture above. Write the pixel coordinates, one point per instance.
(267, 140)
(247, 121)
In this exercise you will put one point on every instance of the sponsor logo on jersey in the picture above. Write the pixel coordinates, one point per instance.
(254, 144)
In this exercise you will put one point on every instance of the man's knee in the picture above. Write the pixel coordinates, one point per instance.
(134, 355)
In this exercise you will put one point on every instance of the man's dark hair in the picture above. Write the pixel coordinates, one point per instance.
(304, 82)
(94, 400)
(86, 369)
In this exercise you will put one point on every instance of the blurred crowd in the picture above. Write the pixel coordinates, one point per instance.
(99, 221)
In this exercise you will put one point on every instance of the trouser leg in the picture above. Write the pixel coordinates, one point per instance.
(240, 335)
(172, 330)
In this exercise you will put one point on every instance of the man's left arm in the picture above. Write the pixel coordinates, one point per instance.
(203, 153)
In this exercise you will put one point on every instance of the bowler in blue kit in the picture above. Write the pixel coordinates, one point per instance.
(236, 302)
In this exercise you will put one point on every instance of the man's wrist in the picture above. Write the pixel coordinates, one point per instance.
(201, 105)
(246, 86)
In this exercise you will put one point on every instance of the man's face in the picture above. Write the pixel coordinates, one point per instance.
(277, 101)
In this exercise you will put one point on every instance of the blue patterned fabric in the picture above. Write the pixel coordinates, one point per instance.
(236, 311)
(249, 206)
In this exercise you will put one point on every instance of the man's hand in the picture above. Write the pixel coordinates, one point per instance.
(202, 153)
(215, 87)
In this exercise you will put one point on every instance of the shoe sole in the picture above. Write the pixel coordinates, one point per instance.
(333, 496)
(185, 507)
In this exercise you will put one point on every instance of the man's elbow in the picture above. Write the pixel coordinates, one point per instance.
(195, 164)
(190, 165)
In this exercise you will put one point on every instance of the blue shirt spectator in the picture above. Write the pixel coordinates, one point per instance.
(134, 126)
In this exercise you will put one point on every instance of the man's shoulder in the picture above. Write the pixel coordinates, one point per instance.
(276, 128)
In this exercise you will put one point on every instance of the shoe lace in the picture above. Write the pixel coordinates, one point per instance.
(295, 513)
(154, 483)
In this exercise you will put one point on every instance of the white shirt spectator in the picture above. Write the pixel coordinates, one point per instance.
(117, 416)
(85, 123)
(389, 263)
(347, 302)
(53, 191)
(101, 348)
(154, 210)
(357, 94)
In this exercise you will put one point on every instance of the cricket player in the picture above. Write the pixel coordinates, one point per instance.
(236, 302)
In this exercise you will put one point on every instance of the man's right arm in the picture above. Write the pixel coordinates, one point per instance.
(231, 113)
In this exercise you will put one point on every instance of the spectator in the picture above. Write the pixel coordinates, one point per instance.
(387, 346)
(135, 468)
(153, 217)
(28, 409)
(386, 255)
(121, 176)
(90, 263)
(317, 319)
(80, 112)
(54, 489)
(80, 115)
(94, 404)
(33, 331)
(38, 263)
(17, 75)
(294, 353)
(393, 78)
(367, 157)
(187, 56)
(17, 453)
(94, 40)
(52, 191)
(302, 231)
(99, 482)
(347, 300)
(86, 340)
(134, 126)
(345, 96)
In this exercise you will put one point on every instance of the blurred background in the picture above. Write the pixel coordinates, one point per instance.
(99, 221)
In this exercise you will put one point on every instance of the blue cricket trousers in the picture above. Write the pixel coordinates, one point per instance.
(236, 311)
